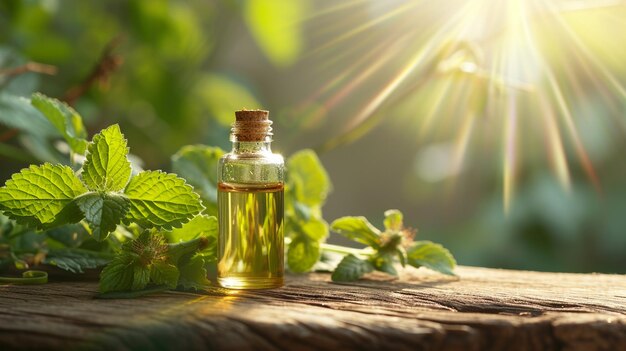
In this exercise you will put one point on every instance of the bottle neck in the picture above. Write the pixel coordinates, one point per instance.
(252, 147)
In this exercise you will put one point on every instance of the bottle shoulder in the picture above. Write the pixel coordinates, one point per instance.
(251, 168)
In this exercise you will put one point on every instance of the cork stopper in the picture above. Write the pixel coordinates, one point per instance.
(252, 125)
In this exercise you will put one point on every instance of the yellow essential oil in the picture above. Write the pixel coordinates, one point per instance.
(251, 207)
(251, 235)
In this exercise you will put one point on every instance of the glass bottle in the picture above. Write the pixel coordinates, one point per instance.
(251, 207)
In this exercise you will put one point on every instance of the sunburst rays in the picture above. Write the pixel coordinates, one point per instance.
(503, 60)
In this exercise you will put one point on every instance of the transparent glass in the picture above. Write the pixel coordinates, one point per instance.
(251, 217)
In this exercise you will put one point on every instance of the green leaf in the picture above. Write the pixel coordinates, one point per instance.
(106, 166)
(76, 260)
(351, 268)
(193, 274)
(308, 178)
(38, 195)
(393, 220)
(276, 26)
(186, 249)
(202, 225)
(316, 229)
(431, 255)
(198, 165)
(159, 199)
(141, 277)
(118, 275)
(17, 112)
(68, 236)
(67, 121)
(358, 229)
(162, 273)
(103, 212)
(302, 254)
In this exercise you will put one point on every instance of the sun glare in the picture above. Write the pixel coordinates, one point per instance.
(507, 69)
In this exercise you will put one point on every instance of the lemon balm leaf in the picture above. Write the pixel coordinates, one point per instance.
(308, 178)
(107, 167)
(431, 255)
(193, 274)
(159, 199)
(351, 268)
(65, 119)
(198, 165)
(358, 229)
(38, 195)
(303, 253)
(162, 273)
(393, 220)
(199, 226)
(118, 275)
(103, 212)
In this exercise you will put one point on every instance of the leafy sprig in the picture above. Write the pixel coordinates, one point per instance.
(104, 195)
(149, 261)
(386, 249)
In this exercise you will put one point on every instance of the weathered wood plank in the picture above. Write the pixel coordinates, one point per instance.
(485, 309)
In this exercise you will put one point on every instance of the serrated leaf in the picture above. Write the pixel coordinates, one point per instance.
(118, 275)
(103, 212)
(307, 178)
(393, 220)
(141, 277)
(162, 273)
(107, 167)
(198, 165)
(431, 255)
(65, 119)
(358, 229)
(38, 195)
(193, 274)
(202, 225)
(302, 254)
(351, 268)
(159, 199)
(76, 260)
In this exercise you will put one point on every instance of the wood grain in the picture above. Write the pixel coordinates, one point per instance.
(483, 309)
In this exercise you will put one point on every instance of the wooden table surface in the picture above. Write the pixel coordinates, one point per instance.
(483, 309)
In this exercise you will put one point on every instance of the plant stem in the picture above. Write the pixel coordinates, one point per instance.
(28, 278)
(345, 250)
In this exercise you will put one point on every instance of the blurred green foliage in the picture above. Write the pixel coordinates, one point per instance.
(171, 88)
